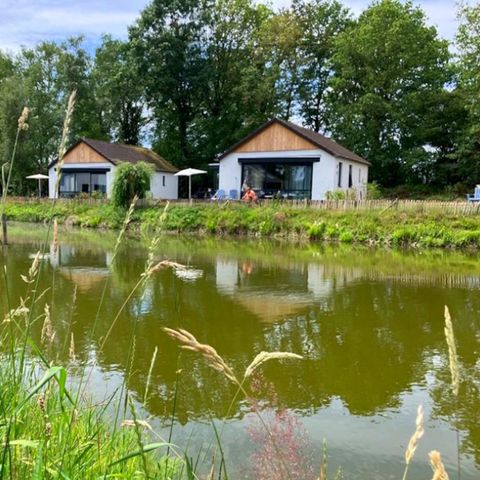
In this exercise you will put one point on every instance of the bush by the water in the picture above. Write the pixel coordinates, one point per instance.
(131, 180)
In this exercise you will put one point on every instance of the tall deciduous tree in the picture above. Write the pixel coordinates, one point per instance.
(386, 66)
(206, 78)
(468, 44)
(118, 91)
(166, 42)
(42, 79)
(234, 96)
(320, 22)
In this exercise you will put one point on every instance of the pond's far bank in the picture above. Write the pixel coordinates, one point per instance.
(422, 227)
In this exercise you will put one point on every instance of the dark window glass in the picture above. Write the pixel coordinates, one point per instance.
(99, 182)
(340, 165)
(350, 179)
(279, 180)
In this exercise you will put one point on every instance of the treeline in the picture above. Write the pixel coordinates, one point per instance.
(195, 76)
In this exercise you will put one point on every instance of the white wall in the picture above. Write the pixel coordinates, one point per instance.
(52, 175)
(168, 191)
(325, 172)
(359, 176)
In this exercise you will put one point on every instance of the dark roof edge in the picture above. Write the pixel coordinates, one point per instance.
(297, 132)
(80, 140)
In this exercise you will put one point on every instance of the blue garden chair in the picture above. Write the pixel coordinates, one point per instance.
(219, 195)
(233, 194)
(476, 195)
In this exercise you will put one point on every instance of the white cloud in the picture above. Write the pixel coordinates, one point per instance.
(27, 22)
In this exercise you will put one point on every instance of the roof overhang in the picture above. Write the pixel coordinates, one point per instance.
(294, 130)
(81, 140)
(300, 160)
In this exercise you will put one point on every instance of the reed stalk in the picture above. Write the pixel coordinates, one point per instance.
(413, 443)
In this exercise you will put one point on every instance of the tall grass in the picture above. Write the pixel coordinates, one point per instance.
(48, 428)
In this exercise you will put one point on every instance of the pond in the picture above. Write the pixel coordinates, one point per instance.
(369, 324)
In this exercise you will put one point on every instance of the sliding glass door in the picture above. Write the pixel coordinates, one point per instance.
(73, 183)
(278, 180)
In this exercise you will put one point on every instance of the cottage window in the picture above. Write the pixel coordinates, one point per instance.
(75, 182)
(339, 183)
(350, 176)
(163, 180)
(282, 180)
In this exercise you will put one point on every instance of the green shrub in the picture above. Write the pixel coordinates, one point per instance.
(346, 237)
(335, 195)
(316, 231)
(130, 180)
(373, 191)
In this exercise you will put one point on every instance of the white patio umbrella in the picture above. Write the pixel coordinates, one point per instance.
(188, 172)
(39, 177)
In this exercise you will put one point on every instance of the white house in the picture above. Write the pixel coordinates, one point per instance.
(281, 158)
(89, 166)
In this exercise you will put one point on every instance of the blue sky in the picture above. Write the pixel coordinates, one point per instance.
(26, 22)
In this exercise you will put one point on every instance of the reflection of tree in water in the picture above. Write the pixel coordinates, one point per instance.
(364, 344)
(365, 341)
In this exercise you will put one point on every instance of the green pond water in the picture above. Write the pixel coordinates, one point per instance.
(369, 324)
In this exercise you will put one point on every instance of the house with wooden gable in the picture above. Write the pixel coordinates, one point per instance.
(281, 159)
(89, 167)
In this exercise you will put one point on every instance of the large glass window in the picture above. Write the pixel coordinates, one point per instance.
(278, 180)
(99, 182)
(67, 183)
(74, 183)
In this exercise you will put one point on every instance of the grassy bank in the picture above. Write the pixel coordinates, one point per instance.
(423, 227)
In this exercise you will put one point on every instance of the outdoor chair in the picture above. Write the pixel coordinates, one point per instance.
(476, 195)
(233, 194)
(219, 195)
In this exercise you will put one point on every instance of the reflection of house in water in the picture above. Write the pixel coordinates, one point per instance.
(85, 268)
(295, 286)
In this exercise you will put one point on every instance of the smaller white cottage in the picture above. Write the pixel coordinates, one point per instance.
(89, 167)
(286, 160)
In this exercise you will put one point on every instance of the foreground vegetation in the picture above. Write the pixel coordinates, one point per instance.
(422, 227)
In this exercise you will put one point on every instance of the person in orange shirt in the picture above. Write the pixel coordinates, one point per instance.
(249, 196)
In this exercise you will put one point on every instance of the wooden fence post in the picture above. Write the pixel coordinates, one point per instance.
(4, 229)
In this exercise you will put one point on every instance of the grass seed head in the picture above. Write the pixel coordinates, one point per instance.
(48, 334)
(71, 350)
(452, 352)
(419, 431)
(22, 120)
(439, 472)
(263, 357)
(189, 342)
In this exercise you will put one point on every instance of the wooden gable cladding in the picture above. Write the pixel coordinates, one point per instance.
(83, 153)
(275, 138)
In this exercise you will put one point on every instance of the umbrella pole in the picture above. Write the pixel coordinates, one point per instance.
(39, 188)
(190, 188)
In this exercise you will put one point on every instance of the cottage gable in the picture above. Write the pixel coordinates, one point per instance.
(275, 138)
(83, 153)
